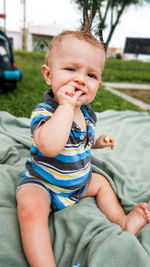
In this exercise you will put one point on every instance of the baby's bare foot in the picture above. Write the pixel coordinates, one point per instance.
(137, 218)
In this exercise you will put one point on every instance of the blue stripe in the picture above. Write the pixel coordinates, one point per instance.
(74, 158)
(44, 105)
(57, 202)
(49, 178)
(91, 130)
(77, 134)
(38, 118)
(66, 194)
(24, 176)
(86, 114)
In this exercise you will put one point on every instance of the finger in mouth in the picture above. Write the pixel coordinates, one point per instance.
(77, 90)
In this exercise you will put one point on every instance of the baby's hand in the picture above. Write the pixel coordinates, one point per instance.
(105, 141)
(67, 95)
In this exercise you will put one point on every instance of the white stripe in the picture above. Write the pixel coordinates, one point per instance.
(72, 145)
(74, 151)
(42, 111)
(65, 201)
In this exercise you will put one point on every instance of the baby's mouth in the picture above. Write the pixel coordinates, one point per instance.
(77, 89)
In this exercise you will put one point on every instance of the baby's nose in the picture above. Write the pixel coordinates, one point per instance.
(80, 79)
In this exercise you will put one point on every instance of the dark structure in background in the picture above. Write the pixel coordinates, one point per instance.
(137, 46)
(9, 73)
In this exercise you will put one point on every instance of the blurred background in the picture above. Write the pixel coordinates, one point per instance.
(27, 27)
(30, 24)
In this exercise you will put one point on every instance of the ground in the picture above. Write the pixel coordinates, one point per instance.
(143, 95)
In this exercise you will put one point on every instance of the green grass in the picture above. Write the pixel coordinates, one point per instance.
(130, 71)
(29, 92)
(106, 100)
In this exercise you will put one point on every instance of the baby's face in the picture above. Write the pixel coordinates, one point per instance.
(78, 64)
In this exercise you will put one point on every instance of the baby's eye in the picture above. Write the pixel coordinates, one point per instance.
(91, 75)
(70, 69)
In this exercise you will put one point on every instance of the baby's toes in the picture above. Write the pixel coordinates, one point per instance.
(147, 215)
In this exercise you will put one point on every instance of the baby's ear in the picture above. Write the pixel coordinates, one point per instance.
(100, 82)
(46, 74)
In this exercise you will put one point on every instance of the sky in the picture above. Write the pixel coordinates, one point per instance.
(135, 22)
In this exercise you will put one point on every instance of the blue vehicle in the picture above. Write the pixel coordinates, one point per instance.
(9, 73)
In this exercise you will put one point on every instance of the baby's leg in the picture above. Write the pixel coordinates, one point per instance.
(109, 204)
(106, 198)
(33, 211)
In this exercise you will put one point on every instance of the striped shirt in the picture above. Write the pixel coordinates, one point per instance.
(70, 170)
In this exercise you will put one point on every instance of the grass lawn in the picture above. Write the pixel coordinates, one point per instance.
(130, 71)
(30, 90)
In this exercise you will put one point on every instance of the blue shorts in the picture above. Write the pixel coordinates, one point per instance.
(57, 201)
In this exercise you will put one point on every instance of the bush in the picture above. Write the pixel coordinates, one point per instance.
(118, 56)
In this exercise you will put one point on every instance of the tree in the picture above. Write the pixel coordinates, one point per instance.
(97, 13)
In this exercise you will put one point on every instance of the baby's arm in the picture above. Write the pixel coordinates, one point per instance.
(104, 141)
(51, 136)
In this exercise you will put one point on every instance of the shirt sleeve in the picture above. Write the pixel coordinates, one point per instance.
(40, 114)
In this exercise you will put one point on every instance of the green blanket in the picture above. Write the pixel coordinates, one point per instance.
(82, 234)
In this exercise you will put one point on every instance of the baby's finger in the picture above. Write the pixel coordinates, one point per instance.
(77, 94)
(69, 91)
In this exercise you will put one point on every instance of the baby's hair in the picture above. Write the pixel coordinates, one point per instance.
(81, 35)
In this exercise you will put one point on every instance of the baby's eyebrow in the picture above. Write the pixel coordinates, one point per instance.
(75, 64)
